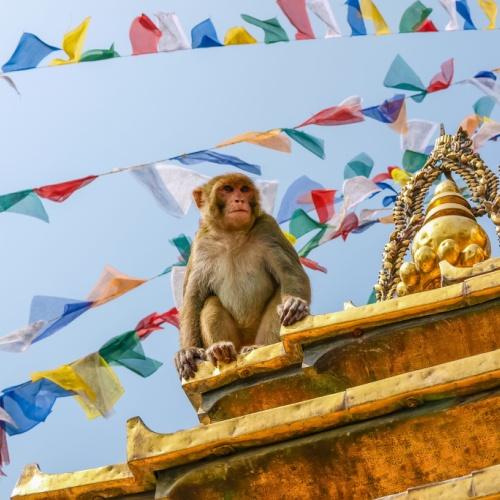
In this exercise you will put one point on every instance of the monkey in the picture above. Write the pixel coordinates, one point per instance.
(243, 277)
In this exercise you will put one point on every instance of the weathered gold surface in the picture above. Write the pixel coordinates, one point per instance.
(451, 274)
(484, 483)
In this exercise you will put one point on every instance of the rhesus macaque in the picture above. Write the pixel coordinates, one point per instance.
(242, 280)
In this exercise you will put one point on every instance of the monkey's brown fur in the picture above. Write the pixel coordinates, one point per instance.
(243, 276)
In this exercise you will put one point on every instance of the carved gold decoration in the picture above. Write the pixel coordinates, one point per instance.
(451, 154)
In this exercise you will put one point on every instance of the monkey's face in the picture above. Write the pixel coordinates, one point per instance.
(236, 202)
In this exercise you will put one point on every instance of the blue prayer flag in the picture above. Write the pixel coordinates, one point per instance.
(355, 18)
(389, 200)
(218, 158)
(29, 52)
(388, 111)
(204, 35)
(464, 11)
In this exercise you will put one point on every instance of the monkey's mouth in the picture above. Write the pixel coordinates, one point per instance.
(240, 210)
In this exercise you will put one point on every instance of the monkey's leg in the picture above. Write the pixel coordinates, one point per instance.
(219, 332)
(269, 328)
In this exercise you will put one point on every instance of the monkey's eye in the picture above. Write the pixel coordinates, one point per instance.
(227, 188)
(245, 189)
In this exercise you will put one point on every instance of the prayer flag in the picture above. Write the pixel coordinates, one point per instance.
(267, 191)
(295, 11)
(30, 403)
(413, 161)
(144, 35)
(29, 52)
(324, 11)
(470, 124)
(238, 36)
(399, 175)
(313, 243)
(451, 8)
(126, 350)
(290, 237)
(311, 264)
(177, 285)
(363, 227)
(62, 191)
(370, 12)
(355, 18)
(419, 135)
(57, 312)
(371, 215)
(372, 298)
(218, 158)
(301, 224)
(9, 200)
(400, 124)
(173, 36)
(273, 31)
(314, 144)
(204, 35)
(356, 190)
(111, 285)
(486, 82)
(464, 11)
(381, 177)
(347, 224)
(99, 54)
(324, 200)
(443, 79)
(389, 200)
(290, 202)
(427, 27)
(21, 339)
(413, 17)
(489, 7)
(484, 106)
(73, 43)
(153, 322)
(348, 111)
(361, 164)
(388, 111)
(5, 417)
(272, 139)
(30, 205)
(401, 76)
(183, 245)
(488, 131)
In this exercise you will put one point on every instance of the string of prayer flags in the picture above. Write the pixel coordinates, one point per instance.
(272, 139)
(73, 43)
(413, 161)
(451, 8)
(323, 10)
(348, 111)
(370, 12)
(292, 198)
(203, 35)
(126, 350)
(144, 35)
(323, 200)
(99, 54)
(311, 264)
(29, 404)
(463, 9)
(295, 11)
(63, 190)
(238, 36)
(355, 18)
(361, 164)
(218, 158)
(489, 7)
(153, 322)
(111, 285)
(414, 17)
(313, 144)
(273, 31)
(488, 130)
(301, 224)
(29, 52)
(173, 36)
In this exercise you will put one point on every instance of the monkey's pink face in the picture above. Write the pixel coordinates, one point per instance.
(237, 202)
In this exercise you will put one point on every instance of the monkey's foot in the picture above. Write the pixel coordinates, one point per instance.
(186, 361)
(221, 352)
(249, 348)
(292, 310)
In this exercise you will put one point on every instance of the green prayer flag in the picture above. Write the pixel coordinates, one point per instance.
(308, 141)
(372, 298)
(401, 76)
(301, 223)
(413, 161)
(126, 350)
(361, 164)
(32, 206)
(413, 17)
(484, 106)
(183, 245)
(312, 244)
(8, 200)
(99, 54)
(273, 31)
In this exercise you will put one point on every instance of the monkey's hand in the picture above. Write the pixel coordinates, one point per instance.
(186, 361)
(224, 352)
(292, 309)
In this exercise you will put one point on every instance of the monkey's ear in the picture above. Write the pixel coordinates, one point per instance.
(198, 197)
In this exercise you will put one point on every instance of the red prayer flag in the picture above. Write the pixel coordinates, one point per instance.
(347, 112)
(144, 35)
(384, 176)
(154, 321)
(323, 200)
(63, 190)
(311, 264)
(295, 11)
(443, 79)
(349, 223)
(426, 26)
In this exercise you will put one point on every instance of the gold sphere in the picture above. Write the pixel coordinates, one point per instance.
(401, 289)
(446, 186)
(425, 259)
(449, 250)
(409, 274)
(472, 254)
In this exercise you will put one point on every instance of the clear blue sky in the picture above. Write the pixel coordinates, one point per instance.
(76, 120)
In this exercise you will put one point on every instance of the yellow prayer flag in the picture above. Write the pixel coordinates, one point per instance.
(238, 36)
(73, 42)
(400, 176)
(98, 375)
(272, 139)
(290, 237)
(370, 12)
(489, 7)
(111, 284)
